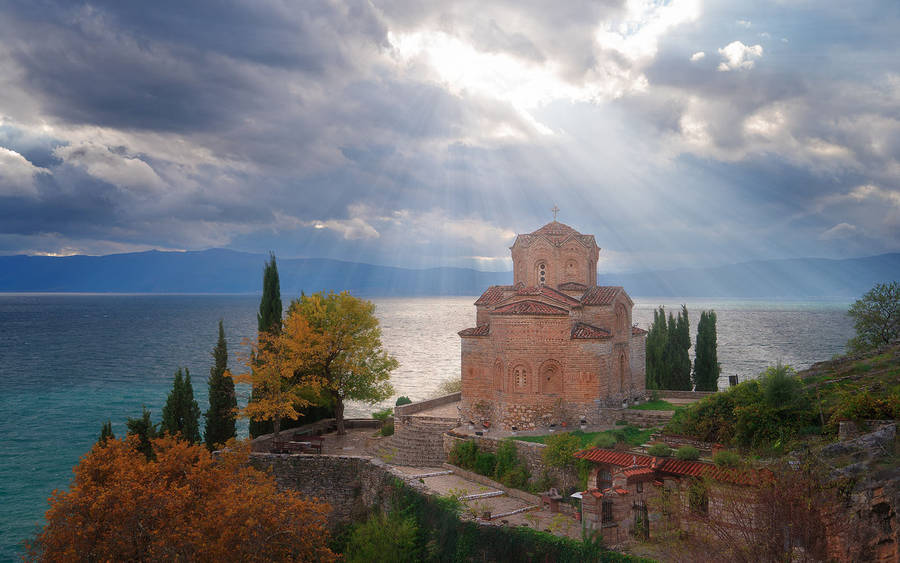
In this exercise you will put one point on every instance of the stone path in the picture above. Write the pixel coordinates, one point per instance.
(438, 482)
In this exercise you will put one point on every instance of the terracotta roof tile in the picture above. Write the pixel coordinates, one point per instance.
(557, 233)
(674, 466)
(584, 331)
(637, 331)
(493, 294)
(547, 291)
(529, 307)
(480, 330)
(600, 295)
(621, 491)
(633, 472)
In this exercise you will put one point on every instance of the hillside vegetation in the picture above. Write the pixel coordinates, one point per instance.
(782, 407)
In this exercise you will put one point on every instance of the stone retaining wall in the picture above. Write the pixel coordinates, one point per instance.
(673, 394)
(350, 484)
(644, 419)
(675, 441)
(417, 439)
(529, 453)
(413, 408)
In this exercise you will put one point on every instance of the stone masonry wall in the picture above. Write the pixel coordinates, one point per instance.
(417, 438)
(350, 484)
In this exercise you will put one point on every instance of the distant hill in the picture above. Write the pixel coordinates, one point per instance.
(227, 271)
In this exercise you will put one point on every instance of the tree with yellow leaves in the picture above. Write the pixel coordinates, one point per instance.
(183, 505)
(277, 371)
(342, 349)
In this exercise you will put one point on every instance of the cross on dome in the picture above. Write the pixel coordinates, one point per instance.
(555, 210)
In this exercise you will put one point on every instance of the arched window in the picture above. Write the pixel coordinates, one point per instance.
(520, 378)
(551, 379)
(621, 318)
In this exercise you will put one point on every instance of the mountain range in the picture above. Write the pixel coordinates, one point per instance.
(227, 271)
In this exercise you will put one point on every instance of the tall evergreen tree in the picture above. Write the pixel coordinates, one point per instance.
(222, 401)
(706, 364)
(656, 343)
(682, 369)
(106, 433)
(181, 414)
(267, 320)
(145, 430)
(269, 317)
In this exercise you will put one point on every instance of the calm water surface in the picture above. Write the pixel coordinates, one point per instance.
(70, 362)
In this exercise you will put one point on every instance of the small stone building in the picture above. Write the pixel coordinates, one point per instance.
(638, 495)
(553, 347)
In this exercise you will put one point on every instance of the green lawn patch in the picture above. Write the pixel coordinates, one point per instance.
(655, 405)
(631, 435)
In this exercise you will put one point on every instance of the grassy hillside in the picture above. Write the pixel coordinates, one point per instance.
(782, 408)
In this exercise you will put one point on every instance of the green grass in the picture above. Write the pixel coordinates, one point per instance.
(631, 435)
(655, 405)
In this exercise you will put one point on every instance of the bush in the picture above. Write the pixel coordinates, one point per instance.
(659, 450)
(463, 454)
(726, 459)
(509, 470)
(383, 415)
(387, 429)
(403, 400)
(383, 538)
(560, 448)
(485, 463)
(687, 453)
(862, 406)
(604, 441)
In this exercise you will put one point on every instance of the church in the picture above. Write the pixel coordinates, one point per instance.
(553, 348)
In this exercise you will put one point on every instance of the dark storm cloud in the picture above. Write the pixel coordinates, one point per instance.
(304, 127)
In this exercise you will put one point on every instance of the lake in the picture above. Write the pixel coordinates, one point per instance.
(70, 362)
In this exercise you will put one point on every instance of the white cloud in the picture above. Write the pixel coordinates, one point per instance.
(118, 168)
(699, 55)
(839, 231)
(738, 56)
(744, 23)
(17, 174)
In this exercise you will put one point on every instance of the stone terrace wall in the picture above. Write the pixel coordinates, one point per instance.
(350, 484)
(672, 394)
(417, 438)
(529, 453)
(413, 408)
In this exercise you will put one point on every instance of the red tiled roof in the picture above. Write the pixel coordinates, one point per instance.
(480, 330)
(673, 466)
(622, 459)
(621, 491)
(600, 295)
(555, 228)
(583, 331)
(633, 472)
(637, 331)
(530, 307)
(572, 286)
(548, 292)
(493, 294)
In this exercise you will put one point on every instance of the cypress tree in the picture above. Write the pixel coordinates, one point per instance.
(145, 430)
(222, 401)
(706, 364)
(269, 317)
(267, 320)
(181, 413)
(682, 368)
(656, 342)
(106, 433)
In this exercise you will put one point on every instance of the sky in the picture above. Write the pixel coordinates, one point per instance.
(421, 134)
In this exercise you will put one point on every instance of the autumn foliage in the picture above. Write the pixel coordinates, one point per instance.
(183, 506)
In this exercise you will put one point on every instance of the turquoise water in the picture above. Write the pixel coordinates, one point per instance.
(70, 362)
